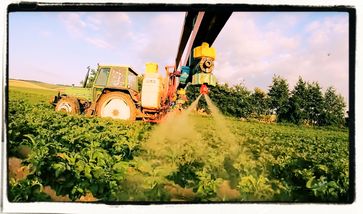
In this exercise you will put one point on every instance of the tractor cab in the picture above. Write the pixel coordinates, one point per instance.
(114, 94)
(114, 77)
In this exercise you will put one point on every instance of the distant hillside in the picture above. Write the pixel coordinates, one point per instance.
(33, 84)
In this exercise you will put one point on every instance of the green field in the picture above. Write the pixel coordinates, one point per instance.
(188, 158)
(34, 84)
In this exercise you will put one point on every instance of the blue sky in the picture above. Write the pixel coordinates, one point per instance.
(56, 47)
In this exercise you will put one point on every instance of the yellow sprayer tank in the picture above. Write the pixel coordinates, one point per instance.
(204, 51)
(152, 87)
(151, 67)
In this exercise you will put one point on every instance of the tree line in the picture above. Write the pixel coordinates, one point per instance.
(306, 103)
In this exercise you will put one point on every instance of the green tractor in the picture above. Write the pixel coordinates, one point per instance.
(115, 91)
(114, 94)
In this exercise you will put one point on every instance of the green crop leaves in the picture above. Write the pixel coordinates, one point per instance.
(72, 154)
(197, 161)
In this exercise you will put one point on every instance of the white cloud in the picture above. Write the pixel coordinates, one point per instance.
(94, 23)
(45, 33)
(317, 51)
(325, 55)
(312, 26)
(100, 43)
(134, 37)
(73, 23)
(106, 26)
(159, 40)
(288, 18)
(249, 50)
(119, 17)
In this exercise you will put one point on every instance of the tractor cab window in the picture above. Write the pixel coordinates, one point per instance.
(102, 77)
(132, 81)
(118, 77)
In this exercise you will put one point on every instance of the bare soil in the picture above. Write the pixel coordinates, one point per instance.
(226, 192)
(16, 169)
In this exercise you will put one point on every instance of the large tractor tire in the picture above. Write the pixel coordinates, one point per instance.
(116, 105)
(69, 105)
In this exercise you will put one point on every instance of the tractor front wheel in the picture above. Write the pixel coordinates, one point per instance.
(69, 105)
(116, 105)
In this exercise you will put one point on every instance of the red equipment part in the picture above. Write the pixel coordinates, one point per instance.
(204, 89)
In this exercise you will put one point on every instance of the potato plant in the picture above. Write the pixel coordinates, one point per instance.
(187, 159)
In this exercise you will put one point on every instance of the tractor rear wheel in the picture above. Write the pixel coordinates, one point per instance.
(69, 105)
(116, 105)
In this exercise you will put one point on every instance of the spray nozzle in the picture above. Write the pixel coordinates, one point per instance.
(204, 89)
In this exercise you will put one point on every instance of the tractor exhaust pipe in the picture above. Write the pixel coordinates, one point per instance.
(86, 78)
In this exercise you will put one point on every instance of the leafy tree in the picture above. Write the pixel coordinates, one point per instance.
(192, 93)
(232, 101)
(334, 106)
(259, 102)
(220, 95)
(314, 102)
(306, 104)
(279, 96)
(297, 105)
(239, 104)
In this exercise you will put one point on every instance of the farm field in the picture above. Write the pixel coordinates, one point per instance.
(33, 84)
(190, 158)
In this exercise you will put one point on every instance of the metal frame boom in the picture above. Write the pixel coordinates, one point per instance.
(203, 26)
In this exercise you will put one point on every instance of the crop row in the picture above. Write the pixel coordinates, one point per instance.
(189, 158)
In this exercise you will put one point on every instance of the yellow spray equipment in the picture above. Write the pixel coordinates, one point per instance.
(201, 71)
